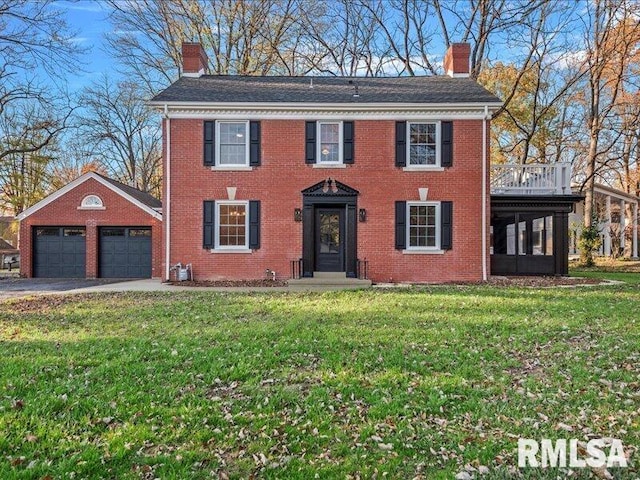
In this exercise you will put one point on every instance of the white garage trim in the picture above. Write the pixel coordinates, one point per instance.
(79, 181)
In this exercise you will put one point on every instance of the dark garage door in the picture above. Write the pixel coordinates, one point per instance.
(125, 252)
(59, 252)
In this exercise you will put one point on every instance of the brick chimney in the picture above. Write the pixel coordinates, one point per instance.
(456, 60)
(194, 60)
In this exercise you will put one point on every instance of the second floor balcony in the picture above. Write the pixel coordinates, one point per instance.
(531, 179)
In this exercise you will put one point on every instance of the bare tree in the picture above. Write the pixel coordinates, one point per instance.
(123, 134)
(609, 42)
(24, 171)
(75, 158)
(34, 40)
(241, 37)
(533, 125)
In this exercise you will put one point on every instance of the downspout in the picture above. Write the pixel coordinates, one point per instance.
(484, 194)
(166, 213)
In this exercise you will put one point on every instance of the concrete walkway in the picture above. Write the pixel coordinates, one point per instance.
(155, 285)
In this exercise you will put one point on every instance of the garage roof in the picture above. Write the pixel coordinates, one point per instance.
(141, 199)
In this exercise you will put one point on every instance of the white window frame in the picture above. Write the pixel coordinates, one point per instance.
(438, 164)
(217, 245)
(86, 204)
(218, 157)
(340, 142)
(437, 248)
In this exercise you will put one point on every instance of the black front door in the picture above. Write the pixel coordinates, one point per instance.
(329, 232)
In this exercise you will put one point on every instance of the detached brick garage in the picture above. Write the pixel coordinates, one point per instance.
(92, 227)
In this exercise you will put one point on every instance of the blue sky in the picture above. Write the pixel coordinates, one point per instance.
(89, 19)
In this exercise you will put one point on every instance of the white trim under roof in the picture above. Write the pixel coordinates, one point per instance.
(344, 111)
(80, 180)
(612, 191)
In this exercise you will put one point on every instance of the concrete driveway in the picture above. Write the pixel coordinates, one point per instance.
(21, 287)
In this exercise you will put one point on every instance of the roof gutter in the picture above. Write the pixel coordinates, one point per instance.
(348, 106)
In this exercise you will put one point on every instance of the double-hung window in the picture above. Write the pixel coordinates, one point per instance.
(423, 226)
(232, 222)
(232, 144)
(330, 144)
(423, 144)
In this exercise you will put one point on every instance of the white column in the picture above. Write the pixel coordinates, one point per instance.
(607, 226)
(623, 222)
(634, 235)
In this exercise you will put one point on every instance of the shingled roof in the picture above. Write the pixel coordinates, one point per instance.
(143, 197)
(329, 90)
(6, 247)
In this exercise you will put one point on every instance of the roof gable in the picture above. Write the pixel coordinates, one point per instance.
(140, 199)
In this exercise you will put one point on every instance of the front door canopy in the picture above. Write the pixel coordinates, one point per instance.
(330, 191)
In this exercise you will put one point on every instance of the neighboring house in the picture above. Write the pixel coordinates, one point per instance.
(617, 211)
(92, 227)
(300, 175)
(9, 255)
(7, 230)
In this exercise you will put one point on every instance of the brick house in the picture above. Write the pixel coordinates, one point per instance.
(301, 175)
(92, 227)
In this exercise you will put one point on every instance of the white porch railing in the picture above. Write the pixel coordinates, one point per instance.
(531, 179)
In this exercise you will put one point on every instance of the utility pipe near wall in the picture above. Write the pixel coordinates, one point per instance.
(484, 194)
(166, 203)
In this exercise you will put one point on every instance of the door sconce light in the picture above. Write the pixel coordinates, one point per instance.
(297, 215)
(362, 215)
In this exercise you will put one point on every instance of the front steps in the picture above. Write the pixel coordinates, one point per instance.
(329, 281)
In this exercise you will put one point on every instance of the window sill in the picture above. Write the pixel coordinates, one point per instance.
(418, 251)
(232, 168)
(416, 168)
(232, 250)
(329, 165)
(92, 208)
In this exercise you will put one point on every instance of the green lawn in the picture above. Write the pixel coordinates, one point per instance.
(621, 270)
(402, 384)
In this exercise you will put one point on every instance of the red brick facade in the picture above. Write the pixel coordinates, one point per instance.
(63, 211)
(283, 174)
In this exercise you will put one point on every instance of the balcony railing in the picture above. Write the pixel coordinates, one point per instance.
(532, 179)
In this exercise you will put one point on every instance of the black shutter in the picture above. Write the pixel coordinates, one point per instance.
(401, 144)
(310, 142)
(446, 225)
(254, 144)
(209, 143)
(209, 224)
(350, 249)
(446, 144)
(307, 241)
(347, 142)
(401, 225)
(254, 224)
